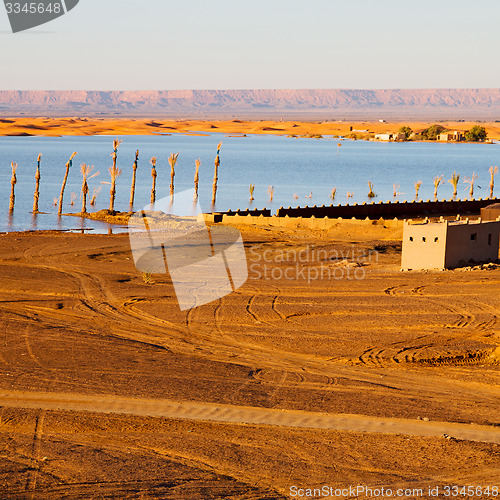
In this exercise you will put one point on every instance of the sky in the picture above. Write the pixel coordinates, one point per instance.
(237, 44)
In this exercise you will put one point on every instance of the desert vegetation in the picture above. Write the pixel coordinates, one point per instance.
(493, 171)
(197, 179)
(455, 178)
(270, 193)
(13, 182)
(134, 179)
(86, 175)
(417, 185)
(114, 172)
(476, 134)
(36, 196)
(154, 174)
(172, 161)
(438, 180)
(216, 174)
(371, 193)
(65, 180)
(407, 131)
(470, 181)
(432, 133)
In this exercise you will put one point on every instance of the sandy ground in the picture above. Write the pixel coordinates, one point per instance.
(51, 127)
(367, 376)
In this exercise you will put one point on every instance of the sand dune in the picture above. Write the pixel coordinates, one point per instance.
(50, 127)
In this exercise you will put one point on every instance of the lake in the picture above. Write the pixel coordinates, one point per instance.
(295, 167)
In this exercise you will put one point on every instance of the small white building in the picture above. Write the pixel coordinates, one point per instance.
(383, 137)
(451, 137)
(449, 244)
(390, 137)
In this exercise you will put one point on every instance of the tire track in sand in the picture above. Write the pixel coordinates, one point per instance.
(199, 411)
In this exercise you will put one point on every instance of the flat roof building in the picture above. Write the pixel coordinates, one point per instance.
(446, 245)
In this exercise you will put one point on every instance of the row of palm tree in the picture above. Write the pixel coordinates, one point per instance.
(115, 172)
(438, 181)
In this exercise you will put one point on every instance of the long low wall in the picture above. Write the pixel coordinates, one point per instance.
(301, 222)
(265, 212)
(390, 210)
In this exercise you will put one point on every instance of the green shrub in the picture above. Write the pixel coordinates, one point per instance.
(476, 134)
(431, 133)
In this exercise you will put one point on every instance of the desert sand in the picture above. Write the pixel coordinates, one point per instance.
(50, 127)
(107, 390)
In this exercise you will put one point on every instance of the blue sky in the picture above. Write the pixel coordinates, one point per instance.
(228, 44)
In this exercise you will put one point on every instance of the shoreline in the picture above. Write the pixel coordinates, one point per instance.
(84, 126)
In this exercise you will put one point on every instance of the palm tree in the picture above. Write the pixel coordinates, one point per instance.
(418, 185)
(13, 182)
(153, 175)
(94, 196)
(216, 174)
(172, 162)
(371, 194)
(196, 178)
(438, 180)
(454, 182)
(493, 172)
(470, 181)
(86, 174)
(134, 177)
(63, 187)
(36, 196)
(115, 173)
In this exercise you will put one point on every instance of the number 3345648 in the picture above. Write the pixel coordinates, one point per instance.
(33, 8)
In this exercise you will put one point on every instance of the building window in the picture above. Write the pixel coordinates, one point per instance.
(411, 238)
(473, 237)
(436, 239)
(489, 239)
(424, 239)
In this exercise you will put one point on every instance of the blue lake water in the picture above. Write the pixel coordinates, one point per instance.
(295, 167)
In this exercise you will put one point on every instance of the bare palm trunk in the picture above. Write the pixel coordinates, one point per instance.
(493, 172)
(36, 196)
(197, 179)
(134, 177)
(85, 192)
(63, 187)
(86, 174)
(418, 185)
(172, 161)
(153, 175)
(13, 182)
(115, 173)
(216, 174)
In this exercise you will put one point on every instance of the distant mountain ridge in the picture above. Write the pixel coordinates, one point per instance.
(272, 103)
